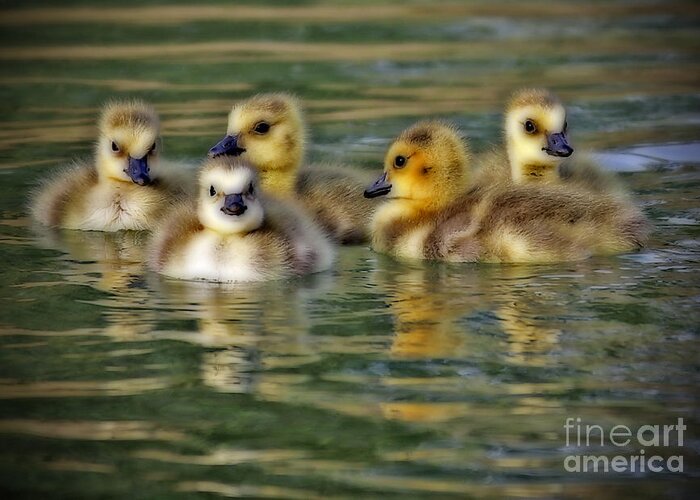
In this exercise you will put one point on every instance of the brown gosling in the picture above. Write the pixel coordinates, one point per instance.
(235, 233)
(268, 131)
(122, 187)
(431, 215)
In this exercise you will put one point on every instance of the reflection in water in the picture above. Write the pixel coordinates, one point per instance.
(425, 313)
(245, 324)
(519, 301)
(528, 342)
(234, 491)
(430, 305)
(111, 262)
(122, 387)
(223, 456)
(76, 466)
(101, 430)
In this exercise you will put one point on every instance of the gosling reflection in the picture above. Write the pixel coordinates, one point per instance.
(431, 306)
(530, 339)
(247, 329)
(110, 262)
(535, 312)
(426, 326)
(425, 313)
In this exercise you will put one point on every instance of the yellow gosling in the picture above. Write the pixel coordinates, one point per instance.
(431, 214)
(538, 149)
(235, 233)
(268, 131)
(122, 187)
(425, 169)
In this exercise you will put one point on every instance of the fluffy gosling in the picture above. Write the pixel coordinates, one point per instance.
(538, 149)
(122, 187)
(236, 234)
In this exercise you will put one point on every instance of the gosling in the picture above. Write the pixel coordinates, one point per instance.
(237, 234)
(538, 148)
(122, 187)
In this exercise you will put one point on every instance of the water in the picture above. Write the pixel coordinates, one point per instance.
(378, 378)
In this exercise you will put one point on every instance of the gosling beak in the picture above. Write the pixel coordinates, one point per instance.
(226, 146)
(557, 145)
(234, 205)
(138, 171)
(380, 187)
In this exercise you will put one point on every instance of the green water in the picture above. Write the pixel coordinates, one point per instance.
(378, 379)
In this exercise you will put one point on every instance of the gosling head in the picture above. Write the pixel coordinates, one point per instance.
(427, 165)
(267, 130)
(129, 143)
(535, 129)
(229, 201)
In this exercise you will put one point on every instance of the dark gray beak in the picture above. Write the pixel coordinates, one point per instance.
(138, 171)
(557, 145)
(234, 205)
(226, 146)
(380, 187)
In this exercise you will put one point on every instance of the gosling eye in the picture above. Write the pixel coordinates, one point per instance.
(566, 126)
(400, 161)
(153, 148)
(251, 191)
(262, 128)
(530, 127)
(115, 147)
(212, 191)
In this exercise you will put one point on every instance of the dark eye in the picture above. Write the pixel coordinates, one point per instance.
(251, 191)
(115, 147)
(212, 191)
(399, 161)
(566, 126)
(530, 127)
(153, 148)
(262, 128)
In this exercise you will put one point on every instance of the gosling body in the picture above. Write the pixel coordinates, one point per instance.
(268, 131)
(236, 234)
(121, 188)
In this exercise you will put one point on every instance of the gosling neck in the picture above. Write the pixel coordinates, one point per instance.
(524, 168)
(278, 182)
(280, 177)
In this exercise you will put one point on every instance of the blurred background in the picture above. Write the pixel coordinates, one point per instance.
(628, 70)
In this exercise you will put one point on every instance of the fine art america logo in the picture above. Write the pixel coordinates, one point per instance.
(587, 438)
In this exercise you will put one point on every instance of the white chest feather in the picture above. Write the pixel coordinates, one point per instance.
(209, 256)
(412, 244)
(387, 214)
(113, 207)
